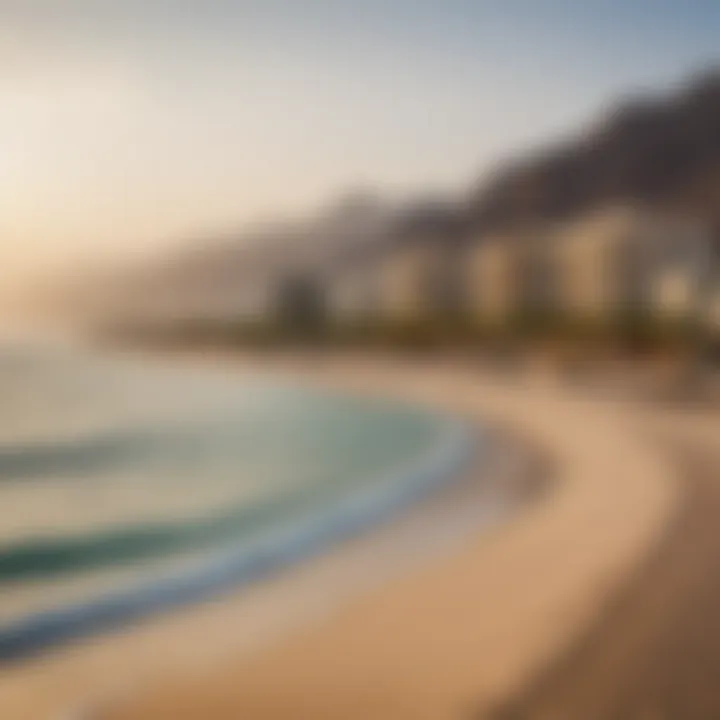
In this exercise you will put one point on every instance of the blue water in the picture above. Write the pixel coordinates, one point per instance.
(126, 488)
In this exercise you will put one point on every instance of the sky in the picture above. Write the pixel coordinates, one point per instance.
(128, 126)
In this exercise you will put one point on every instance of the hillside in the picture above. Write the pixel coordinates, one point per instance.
(656, 151)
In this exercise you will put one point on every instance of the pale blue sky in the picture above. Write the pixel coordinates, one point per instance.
(128, 124)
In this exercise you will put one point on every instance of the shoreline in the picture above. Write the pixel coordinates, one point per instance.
(183, 583)
(464, 634)
(72, 677)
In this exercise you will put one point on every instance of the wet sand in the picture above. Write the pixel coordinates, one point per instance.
(465, 634)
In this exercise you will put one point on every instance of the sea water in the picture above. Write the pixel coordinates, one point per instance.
(128, 487)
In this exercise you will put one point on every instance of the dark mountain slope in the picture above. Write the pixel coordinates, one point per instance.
(661, 152)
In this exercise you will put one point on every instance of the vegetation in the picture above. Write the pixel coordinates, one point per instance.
(308, 326)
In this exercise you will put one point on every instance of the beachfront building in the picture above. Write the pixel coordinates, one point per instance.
(420, 274)
(489, 276)
(406, 279)
(683, 268)
(600, 269)
(353, 293)
(512, 277)
(536, 279)
(301, 302)
(620, 265)
(624, 261)
(711, 315)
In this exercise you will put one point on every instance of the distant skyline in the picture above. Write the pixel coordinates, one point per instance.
(126, 126)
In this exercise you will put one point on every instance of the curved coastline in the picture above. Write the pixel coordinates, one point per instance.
(268, 552)
(497, 613)
(460, 634)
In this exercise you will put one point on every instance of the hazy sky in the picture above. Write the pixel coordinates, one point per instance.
(127, 123)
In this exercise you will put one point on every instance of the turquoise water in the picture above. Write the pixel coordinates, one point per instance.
(125, 488)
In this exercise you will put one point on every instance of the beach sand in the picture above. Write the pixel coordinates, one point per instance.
(99, 672)
(482, 628)
(655, 651)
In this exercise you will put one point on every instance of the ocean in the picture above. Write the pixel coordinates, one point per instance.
(128, 487)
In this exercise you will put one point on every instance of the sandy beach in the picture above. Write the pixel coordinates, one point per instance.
(469, 622)
(89, 673)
